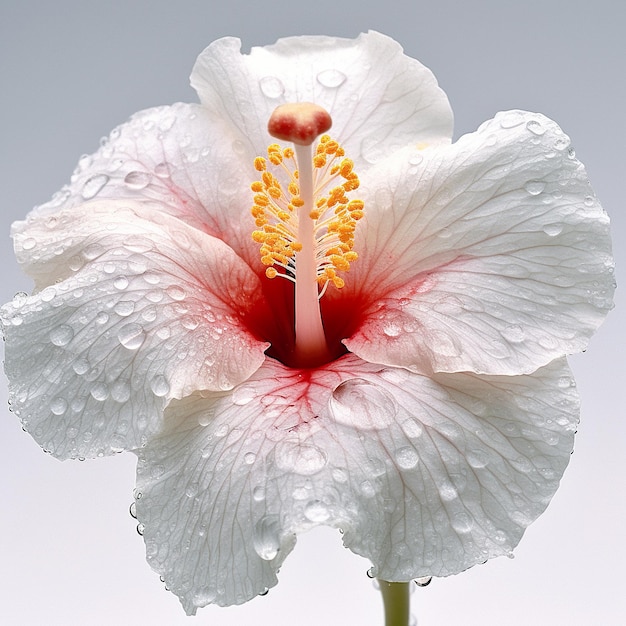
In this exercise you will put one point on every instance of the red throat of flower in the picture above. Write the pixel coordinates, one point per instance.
(305, 221)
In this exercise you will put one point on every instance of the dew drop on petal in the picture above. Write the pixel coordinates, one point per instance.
(406, 457)
(331, 78)
(93, 186)
(535, 187)
(448, 492)
(242, 395)
(462, 522)
(266, 537)
(140, 529)
(133, 510)
(58, 406)
(160, 387)
(124, 308)
(61, 335)
(271, 87)
(258, 493)
(120, 391)
(316, 511)
(371, 572)
(131, 336)
(29, 243)
(121, 282)
(360, 404)
(511, 119)
(175, 292)
(100, 392)
(423, 581)
(514, 333)
(304, 459)
(249, 458)
(535, 127)
(137, 180)
(552, 230)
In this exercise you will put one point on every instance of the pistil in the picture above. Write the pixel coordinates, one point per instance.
(305, 221)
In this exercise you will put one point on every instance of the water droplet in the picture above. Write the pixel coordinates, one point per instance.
(391, 328)
(477, 459)
(137, 180)
(371, 572)
(102, 318)
(462, 522)
(258, 493)
(58, 406)
(175, 292)
(535, 127)
(266, 537)
(271, 87)
(513, 333)
(360, 404)
(120, 391)
(94, 185)
(412, 428)
(124, 308)
(99, 392)
(133, 510)
(162, 170)
(407, 457)
(423, 581)
(331, 78)
(316, 511)
(141, 529)
(29, 243)
(131, 336)
(264, 592)
(242, 395)
(448, 492)
(511, 119)
(121, 282)
(160, 387)
(249, 458)
(304, 459)
(61, 335)
(552, 230)
(535, 187)
(81, 366)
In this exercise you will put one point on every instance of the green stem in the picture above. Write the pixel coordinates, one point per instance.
(396, 599)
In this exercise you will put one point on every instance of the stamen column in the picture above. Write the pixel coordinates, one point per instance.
(301, 123)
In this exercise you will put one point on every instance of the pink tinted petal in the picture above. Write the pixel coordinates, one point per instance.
(424, 476)
(490, 255)
(181, 157)
(379, 99)
(132, 308)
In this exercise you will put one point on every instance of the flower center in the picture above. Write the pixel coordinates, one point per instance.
(305, 220)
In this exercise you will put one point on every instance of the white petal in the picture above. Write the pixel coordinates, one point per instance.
(379, 98)
(133, 308)
(181, 157)
(424, 476)
(491, 255)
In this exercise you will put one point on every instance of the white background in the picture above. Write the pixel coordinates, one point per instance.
(72, 70)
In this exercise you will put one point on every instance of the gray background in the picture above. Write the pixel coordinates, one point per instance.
(72, 70)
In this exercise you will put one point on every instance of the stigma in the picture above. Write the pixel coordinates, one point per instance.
(305, 219)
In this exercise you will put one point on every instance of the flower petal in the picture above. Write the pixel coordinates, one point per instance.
(424, 476)
(491, 255)
(181, 157)
(132, 308)
(379, 99)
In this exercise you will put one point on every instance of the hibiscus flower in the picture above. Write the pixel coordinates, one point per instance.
(409, 387)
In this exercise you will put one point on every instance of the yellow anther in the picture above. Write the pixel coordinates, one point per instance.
(275, 210)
